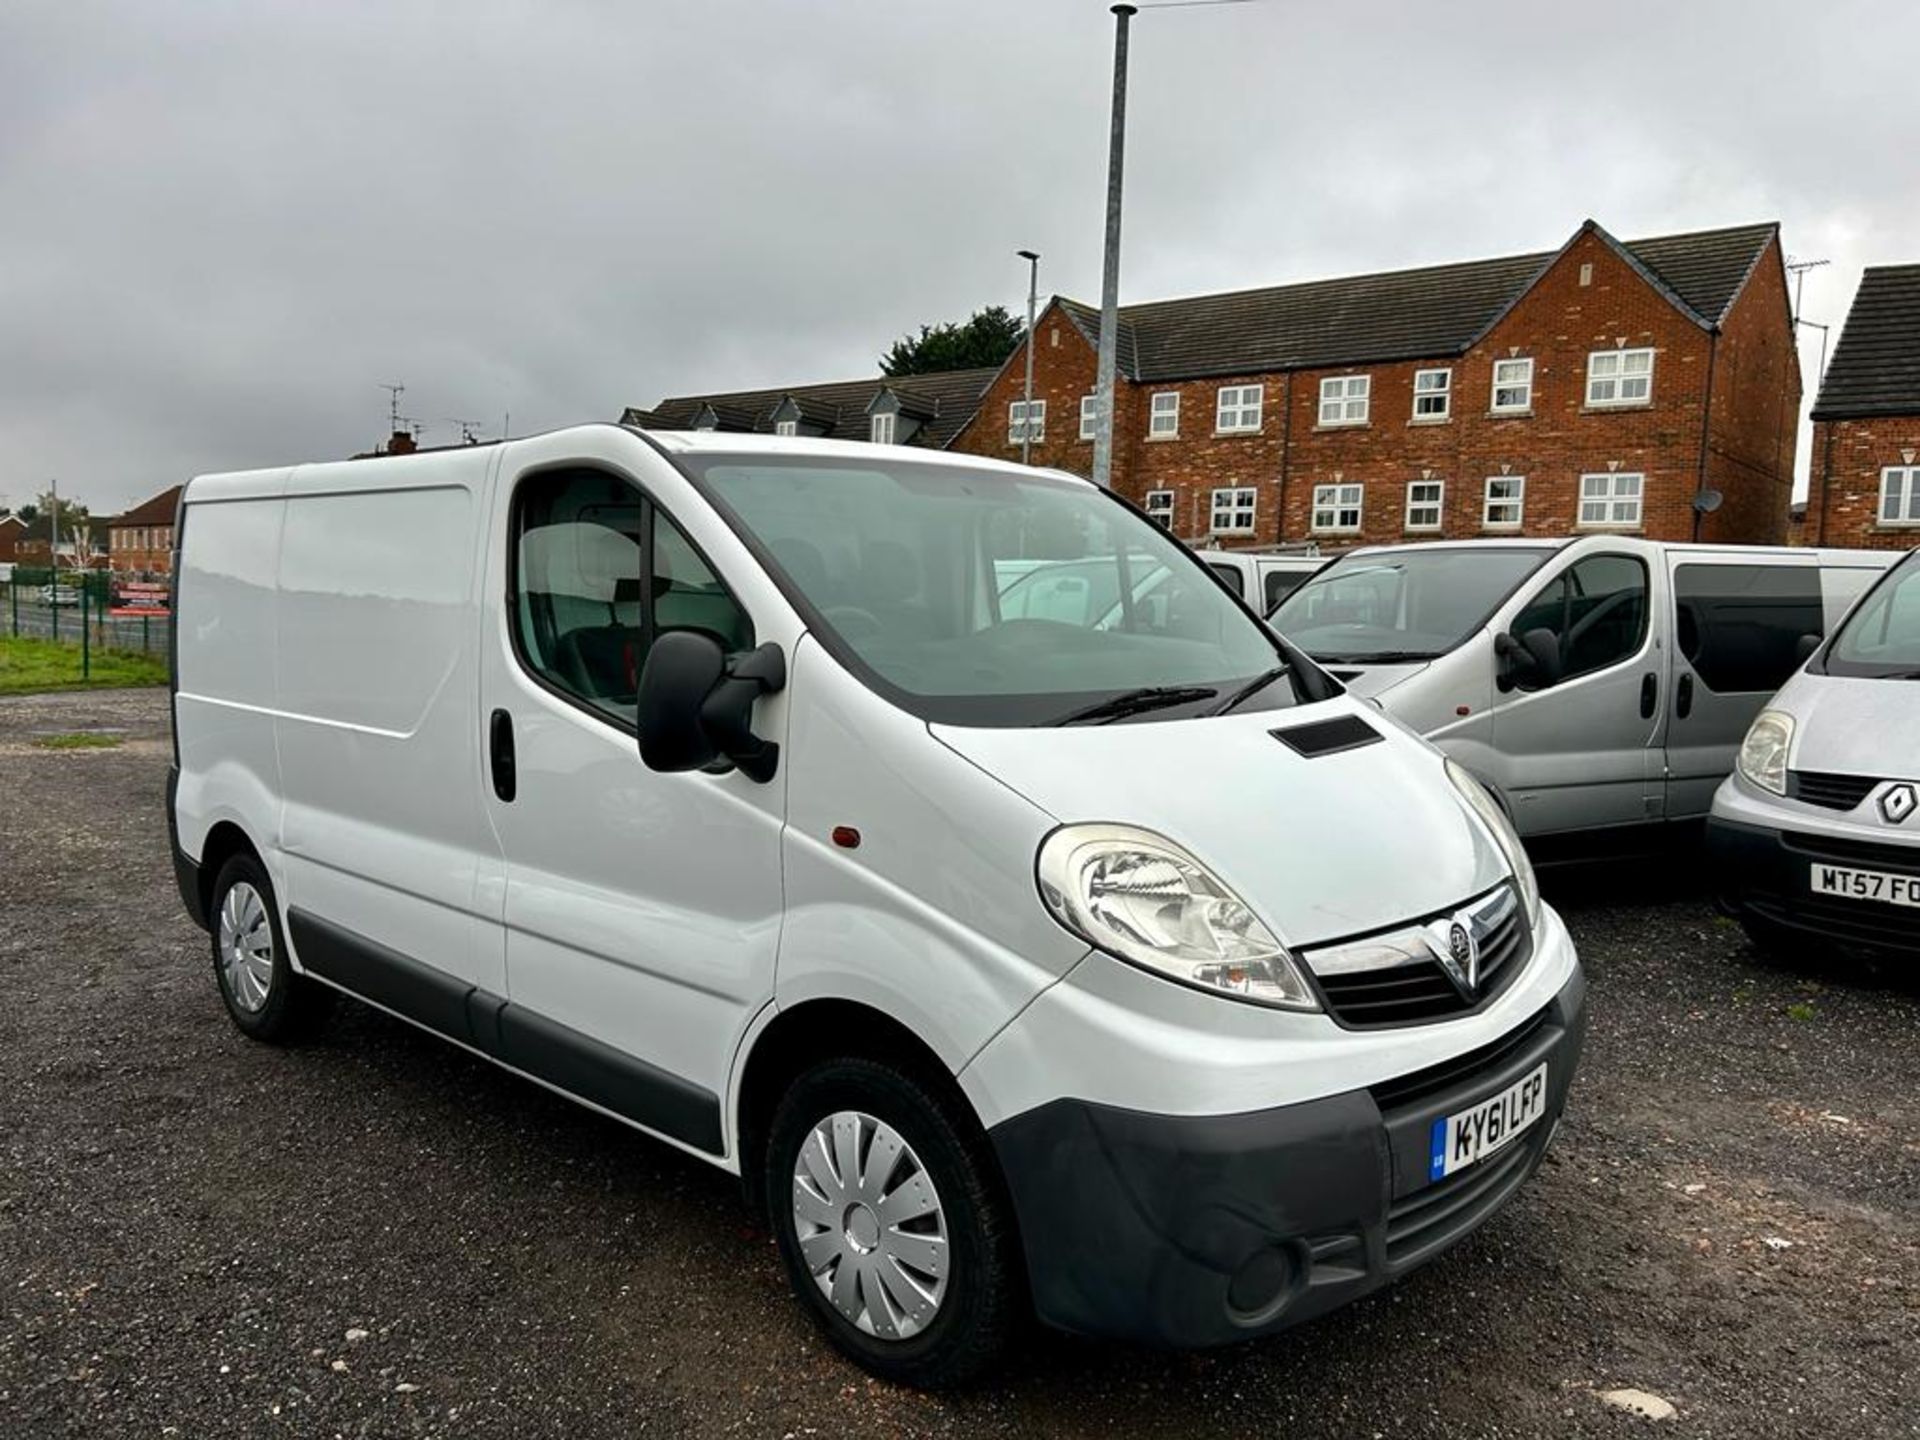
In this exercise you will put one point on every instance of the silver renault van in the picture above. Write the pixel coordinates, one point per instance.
(1603, 682)
(1815, 838)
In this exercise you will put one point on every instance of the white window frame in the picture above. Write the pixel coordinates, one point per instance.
(1089, 417)
(1026, 420)
(1158, 411)
(1443, 392)
(1620, 507)
(881, 428)
(1437, 503)
(1890, 507)
(1609, 377)
(1237, 409)
(1159, 508)
(1489, 503)
(1524, 385)
(786, 427)
(1345, 400)
(1239, 500)
(1332, 501)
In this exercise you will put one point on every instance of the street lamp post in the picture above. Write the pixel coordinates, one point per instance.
(1032, 257)
(1110, 267)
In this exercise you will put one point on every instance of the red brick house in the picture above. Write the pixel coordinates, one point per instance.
(1864, 485)
(12, 531)
(1601, 386)
(140, 542)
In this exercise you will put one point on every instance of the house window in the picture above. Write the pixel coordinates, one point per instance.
(1432, 394)
(1233, 511)
(1237, 409)
(1163, 419)
(786, 427)
(1089, 417)
(1512, 386)
(1336, 508)
(1343, 399)
(1026, 420)
(1160, 508)
(1505, 502)
(880, 428)
(1619, 377)
(1900, 495)
(1612, 499)
(1423, 504)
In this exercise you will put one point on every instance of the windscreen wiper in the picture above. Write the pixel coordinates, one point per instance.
(1250, 689)
(1137, 702)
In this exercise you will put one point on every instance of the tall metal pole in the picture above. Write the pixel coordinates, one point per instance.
(53, 558)
(1033, 296)
(1110, 268)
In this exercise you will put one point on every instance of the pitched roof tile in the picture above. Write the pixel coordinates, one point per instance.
(1875, 368)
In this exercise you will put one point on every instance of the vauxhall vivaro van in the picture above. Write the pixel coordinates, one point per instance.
(1094, 955)
(1815, 838)
(1591, 683)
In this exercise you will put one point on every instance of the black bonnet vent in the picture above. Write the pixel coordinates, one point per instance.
(1328, 737)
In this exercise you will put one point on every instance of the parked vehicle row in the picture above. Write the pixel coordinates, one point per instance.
(980, 911)
(1598, 683)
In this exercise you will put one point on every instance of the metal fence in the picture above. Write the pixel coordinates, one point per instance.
(80, 616)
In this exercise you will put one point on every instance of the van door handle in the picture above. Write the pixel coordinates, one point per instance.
(1649, 694)
(500, 750)
(1683, 696)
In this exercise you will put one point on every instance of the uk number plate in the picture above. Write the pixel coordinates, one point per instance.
(1457, 1141)
(1867, 885)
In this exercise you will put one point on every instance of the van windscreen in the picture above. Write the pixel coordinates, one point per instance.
(1881, 639)
(988, 597)
(1393, 605)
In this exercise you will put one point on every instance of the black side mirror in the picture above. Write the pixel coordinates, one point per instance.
(695, 705)
(1803, 650)
(1531, 660)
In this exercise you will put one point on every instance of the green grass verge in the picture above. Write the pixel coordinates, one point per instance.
(28, 664)
(81, 740)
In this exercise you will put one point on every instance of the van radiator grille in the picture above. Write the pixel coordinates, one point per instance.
(1830, 792)
(1838, 850)
(1421, 1085)
(1409, 994)
(1436, 1216)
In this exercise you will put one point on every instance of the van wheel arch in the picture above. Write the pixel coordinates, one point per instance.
(810, 1032)
(224, 841)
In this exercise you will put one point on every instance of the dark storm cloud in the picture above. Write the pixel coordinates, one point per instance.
(221, 225)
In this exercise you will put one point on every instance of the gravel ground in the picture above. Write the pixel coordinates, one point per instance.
(377, 1235)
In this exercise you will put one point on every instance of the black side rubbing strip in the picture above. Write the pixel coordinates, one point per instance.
(508, 1033)
(1328, 737)
(583, 1066)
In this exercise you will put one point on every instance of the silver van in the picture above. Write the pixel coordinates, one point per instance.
(1263, 578)
(1595, 683)
(1816, 835)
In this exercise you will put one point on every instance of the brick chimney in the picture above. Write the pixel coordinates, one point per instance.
(401, 443)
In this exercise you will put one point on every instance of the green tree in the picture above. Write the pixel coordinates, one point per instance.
(987, 338)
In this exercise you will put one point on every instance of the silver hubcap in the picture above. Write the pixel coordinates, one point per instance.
(246, 947)
(870, 1225)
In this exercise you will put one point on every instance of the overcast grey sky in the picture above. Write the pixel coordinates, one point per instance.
(223, 224)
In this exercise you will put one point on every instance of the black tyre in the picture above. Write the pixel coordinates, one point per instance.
(890, 1215)
(265, 998)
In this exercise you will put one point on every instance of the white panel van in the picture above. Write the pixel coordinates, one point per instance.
(1595, 684)
(1090, 953)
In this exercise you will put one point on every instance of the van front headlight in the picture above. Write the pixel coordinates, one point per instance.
(1508, 838)
(1139, 896)
(1763, 754)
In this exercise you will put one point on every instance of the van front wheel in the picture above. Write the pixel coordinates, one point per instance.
(264, 997)
(892, 1223)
